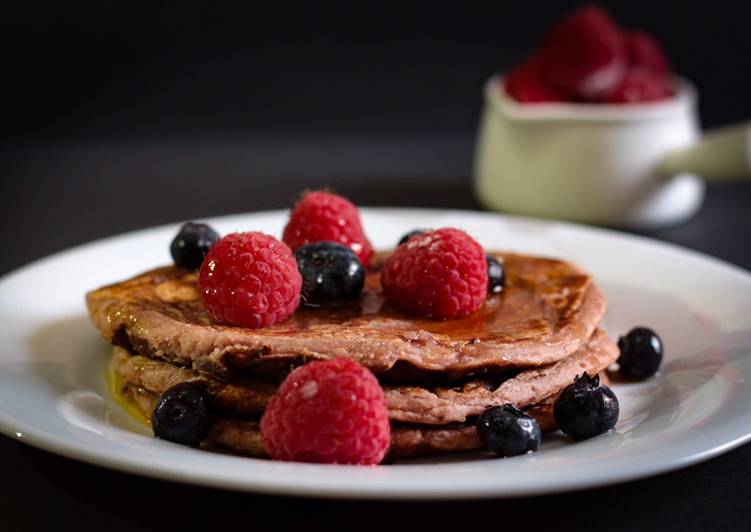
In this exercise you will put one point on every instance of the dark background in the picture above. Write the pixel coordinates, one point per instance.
(116, 117)
(152, 113)
(208, 70)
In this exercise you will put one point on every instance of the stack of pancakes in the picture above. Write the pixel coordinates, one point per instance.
(522, 347)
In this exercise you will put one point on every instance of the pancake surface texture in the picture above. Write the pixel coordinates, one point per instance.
(547, 311)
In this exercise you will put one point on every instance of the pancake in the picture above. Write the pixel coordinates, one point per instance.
(244, 436)
(436, 405)
(547, 311)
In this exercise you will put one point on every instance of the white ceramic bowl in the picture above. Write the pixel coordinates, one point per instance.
(593, 163)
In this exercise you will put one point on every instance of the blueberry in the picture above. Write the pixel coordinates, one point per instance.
(586, 408)
(413, 232)
(182, 415)
(191, 244)
(507, 431)
(330, 272)
(496, 275)
(641, 353)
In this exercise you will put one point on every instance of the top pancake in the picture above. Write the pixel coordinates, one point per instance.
(547, 310)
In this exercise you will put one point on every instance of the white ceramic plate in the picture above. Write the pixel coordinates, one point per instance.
(53, 392)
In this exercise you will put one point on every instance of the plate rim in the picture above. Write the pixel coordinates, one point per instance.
(101, 459)
(428, 211)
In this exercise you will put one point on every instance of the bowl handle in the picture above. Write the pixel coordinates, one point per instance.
(720, 154)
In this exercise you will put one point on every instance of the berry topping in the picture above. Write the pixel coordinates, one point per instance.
(191, 244)
(182, 415)
(507, 431)
(496, 275)
(413, 232)
(586, 408)
(439, 274)
(584, 55)
(330, 271)
(644, 52)
(526, 84)
(323, 216)
(250, 279)
(639, 86)
(641, 353)
(328, 412)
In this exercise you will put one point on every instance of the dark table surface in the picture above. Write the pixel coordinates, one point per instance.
(60, 193)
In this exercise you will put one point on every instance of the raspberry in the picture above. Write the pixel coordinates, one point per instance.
(644, 52)
(583, 55)
(525, 84)
(250, 279)
(440, 274)
(328, 412)
(639, 85)
(321, 216)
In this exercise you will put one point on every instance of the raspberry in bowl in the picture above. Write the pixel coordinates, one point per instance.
(588, 58)
(594, 127)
